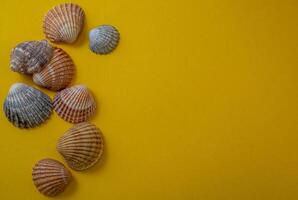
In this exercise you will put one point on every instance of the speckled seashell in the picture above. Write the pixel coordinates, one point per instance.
(103, 39)
(50, 177)
(81, 146)
(58, 73)
(27, 107)
(63, 23)
(75, 104)
(30, 57)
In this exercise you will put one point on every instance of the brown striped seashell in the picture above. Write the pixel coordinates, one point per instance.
(50, 177)
(63, 23)
(81, 146)
(31, 56)
(58, 73)
(75, 104)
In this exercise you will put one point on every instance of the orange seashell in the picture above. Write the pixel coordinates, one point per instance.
(58, 73)
(50, 177)
(63, 23)
(81, 146)
(75, 104)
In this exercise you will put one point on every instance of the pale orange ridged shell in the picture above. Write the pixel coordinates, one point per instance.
(50, 177)
(75, 104)
(81, 146)
(63, 23)
(58, 73)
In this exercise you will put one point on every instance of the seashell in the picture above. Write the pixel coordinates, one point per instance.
(63, 23)
(81, 146)
(103, 39)
(75, 104)
(30, 57)
(27, 107)
(58, 73)
(50, 177)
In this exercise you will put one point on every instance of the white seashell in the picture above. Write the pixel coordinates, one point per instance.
(81, 146)
(58, 73)
(50, 177)
(27, 107)
(103, 39)
(75, 104)
(30, 57)
(63, 23)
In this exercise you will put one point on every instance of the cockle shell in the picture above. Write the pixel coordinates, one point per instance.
(58, 73)
(50, 177)
(27, 107)
(75, 104)
(103, 39)
(30, 57)
(63, 23)
(81, 146)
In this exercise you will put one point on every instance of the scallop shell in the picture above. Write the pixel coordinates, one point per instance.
(81, 146)
(103, 39)
(30, 57)
(75, 104)
(27, 107)
(63, 23)
(50, 177)
(58, 73)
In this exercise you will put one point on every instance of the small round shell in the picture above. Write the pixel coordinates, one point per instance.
(81, 146)
(30, 57)
(103, 39)
(50, 177)
(63, 23)
(58, 73)
(75, 104)
(27, 107)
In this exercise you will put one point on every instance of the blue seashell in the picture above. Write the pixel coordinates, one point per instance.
(30, 57)
(27, 107)
(103, 39)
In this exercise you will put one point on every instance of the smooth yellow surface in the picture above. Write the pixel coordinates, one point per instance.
(199, 101)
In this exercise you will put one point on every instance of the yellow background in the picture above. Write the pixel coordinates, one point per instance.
(199, 101)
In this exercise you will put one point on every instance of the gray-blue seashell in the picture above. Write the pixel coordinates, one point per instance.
(27, 107)
(103, 39)
(30, 57)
